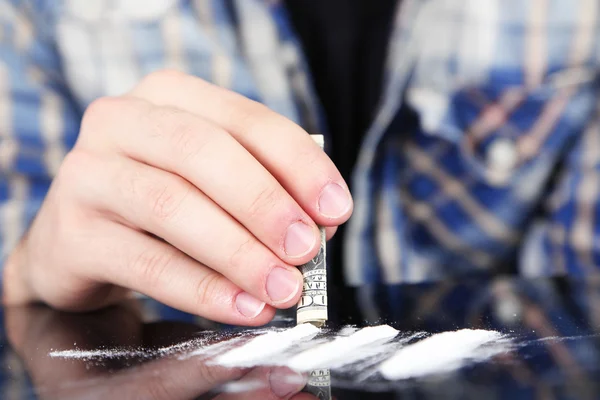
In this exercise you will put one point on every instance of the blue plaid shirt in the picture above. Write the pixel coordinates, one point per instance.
(503, 165)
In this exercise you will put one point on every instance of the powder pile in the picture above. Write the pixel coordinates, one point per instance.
(441, 353)
(368, 359)
(261, 349)
(324, 355)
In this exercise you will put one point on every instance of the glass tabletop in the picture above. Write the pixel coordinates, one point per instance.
(546, 346)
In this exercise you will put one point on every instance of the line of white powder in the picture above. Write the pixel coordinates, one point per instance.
(369, 358)
(263, 347)
(365, 349)
(100, 353)
(323, 355)
(113, 353)
(190, 348)
(441, 353)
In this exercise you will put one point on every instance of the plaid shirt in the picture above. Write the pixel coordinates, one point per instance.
(502, 166)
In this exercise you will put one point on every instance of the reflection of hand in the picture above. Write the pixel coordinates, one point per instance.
(188, 193)
(36, 330)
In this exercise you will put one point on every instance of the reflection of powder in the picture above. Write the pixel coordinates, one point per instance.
(323, 355)
(242, 386)
(266, 346)
(441, 353)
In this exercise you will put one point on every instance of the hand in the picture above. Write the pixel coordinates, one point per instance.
(185, 192)
(34, 331)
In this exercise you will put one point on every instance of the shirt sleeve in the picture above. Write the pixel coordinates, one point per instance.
(39, 119)
(567, 241)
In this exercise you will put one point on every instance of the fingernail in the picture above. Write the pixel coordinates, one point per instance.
(248, 305)
(299, 239)
(285, 382)
(334, 201)
(282, 284)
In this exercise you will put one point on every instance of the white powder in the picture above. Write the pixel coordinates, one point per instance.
(127, 353)
(441, 353)
(180, 347)
(360, 353)
(266, 346)
(367, 360)
(347, 330)
(97, 354)
(190, 348)
(213, 349)
(324, 355)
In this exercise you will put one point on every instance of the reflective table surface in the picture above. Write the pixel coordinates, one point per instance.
(553, 325)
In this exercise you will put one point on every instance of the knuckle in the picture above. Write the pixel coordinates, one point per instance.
(165, 201)
(183, 137)
(240, 256)
(207, 290)
(264, 202)
(186, 141)
(76, 172)
(162, 77)
(152, 266)
(99, 110)
(101, 105)
(253, 118)
(98, 117)
(76, 164)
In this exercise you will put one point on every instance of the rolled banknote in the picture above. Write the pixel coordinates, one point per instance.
(312, 307)
(319, 384)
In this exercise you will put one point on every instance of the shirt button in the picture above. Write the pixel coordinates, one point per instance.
(502, 158)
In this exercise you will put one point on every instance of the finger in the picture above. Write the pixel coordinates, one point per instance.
(268, 384)
(330, 231)
(209, 158)
(158, 270)
(280, 145)
(173, 209)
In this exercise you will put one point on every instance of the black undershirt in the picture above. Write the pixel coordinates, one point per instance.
(345, 43)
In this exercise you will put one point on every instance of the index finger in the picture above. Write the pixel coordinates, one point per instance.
(283, 147)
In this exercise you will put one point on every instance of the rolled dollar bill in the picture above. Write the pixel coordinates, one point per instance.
(312, 307)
